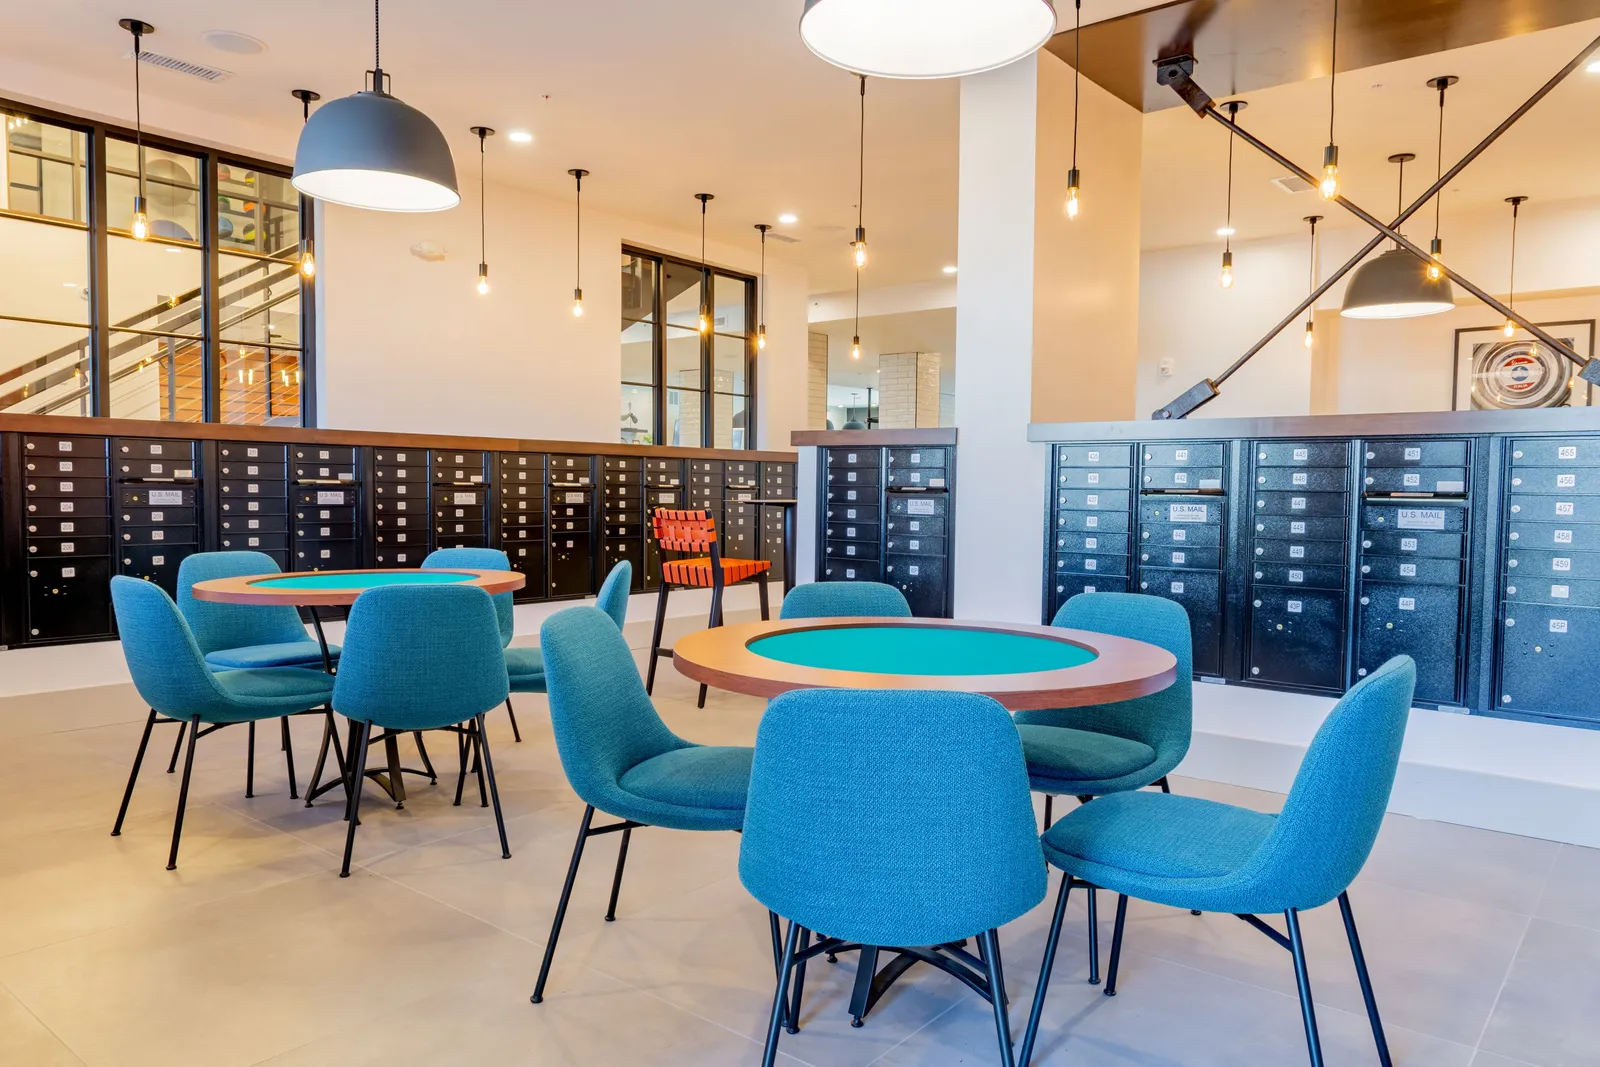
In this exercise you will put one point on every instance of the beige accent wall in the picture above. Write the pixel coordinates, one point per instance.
(908, 390)
(817, 381)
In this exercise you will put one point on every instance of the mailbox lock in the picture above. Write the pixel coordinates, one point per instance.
(1517, 454)
(1260, 550)
(1372, 455)
(1515, 536)
(1511, 589)
(1506, 699)
(1511, 622)
(1365, 569)
(1361, 672)
(1257, 603)
(1366, 600)
(1538, 648)
(1366, 544)
(1261, 527)
(1255, 670)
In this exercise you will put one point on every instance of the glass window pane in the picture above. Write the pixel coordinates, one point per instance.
(731, 361)
(171, 189)
(730, 304)
(681, 286)
(44, 168)
(156, 378)
(256, 212)
(155, 286)
(683, 357)
(259, 386)
(685, 416)
(638, 415)
(260, 301)
(48, 275)
(638, 289)
(638, 352)
(52, 376)
(729, 421)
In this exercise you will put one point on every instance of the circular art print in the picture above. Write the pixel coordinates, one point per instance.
(1519, 374)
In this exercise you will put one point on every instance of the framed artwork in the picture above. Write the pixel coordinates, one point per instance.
(1499, 373)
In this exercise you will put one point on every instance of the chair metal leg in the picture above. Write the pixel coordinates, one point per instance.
(183, 793)
(1094, 937)
(861, 995)
(516, 734)
(761, 584)
(288, 757)
(177, 746)
(250, 763)
(461, 751)
(561, 908)
(494, 790)
(1360, 960)
(655, 638)
(616, 881)
(427, 764)
(477, 764)
(799, 982)
(357, 781)
(1302, 978)
(1031, 1034)
(1049, 805)
(1116, 944)
(133, 776)
(781, 996)
(997, 995)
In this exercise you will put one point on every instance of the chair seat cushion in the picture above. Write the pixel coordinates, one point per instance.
(700, 776)
(275, 690)
(526, 668)
(1075, 760)
(284, 654)
(697, 572)
(1176, 850)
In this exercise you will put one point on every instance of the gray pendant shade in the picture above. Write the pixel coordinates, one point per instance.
(372, 151)
(1396, 286)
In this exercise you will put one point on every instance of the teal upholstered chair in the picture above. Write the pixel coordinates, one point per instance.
(244, 636)
(170, 672)
(1198, 854)
(620, 757)
(833, 600)
(1112, 748)
(420, 657)
(929, 839)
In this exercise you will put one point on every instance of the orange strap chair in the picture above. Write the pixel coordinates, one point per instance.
(690, 535)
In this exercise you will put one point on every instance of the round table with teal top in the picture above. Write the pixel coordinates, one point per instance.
(322, 589)
(1023, 667)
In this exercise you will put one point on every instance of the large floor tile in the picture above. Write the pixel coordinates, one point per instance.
(24, 1040)
(1546, 1014)
(70, 709)
(1496, 870)
(1489, 1059)
(1570, 893)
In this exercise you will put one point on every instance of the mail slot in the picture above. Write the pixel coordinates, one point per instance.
(1089, 478)
(849, 570)
(911, 526)
(251, 452)
(1274, 550)
(918, 478)
(1420, 621)
(852, 457)
(1109, 521)
(138, 448)
(1571, 480)
(1421, 481)
(1295, 505)
(1416, 453)
(1408, 543)
(1557, 591)
(1200, 593)
(1406, 571)
(1297, 638)
(1178, 556)
(921, 579)
(1302, 454)
(1308, 576)
(1207, 454)
(1083, 563)
(1559, 537)
(1318, 479)
(1544, 651)
(1182, 479)
(162, 470)
(1094, 455)
(919, 457)
(1567, 508)
(341, 455)
(1521, 563)
(1306, 529)
(1555, 452)
(851, 549)
(1079, 541)
(848, 476)
(1179, 535)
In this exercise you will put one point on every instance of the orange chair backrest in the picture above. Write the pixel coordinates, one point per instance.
(684, 531)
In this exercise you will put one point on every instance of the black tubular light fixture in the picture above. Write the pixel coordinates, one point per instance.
(483, 133)
(761, 329)
(1225, 279)
(1436, 248)
(1311, 326)
(1397, 285)
(372, 151)
(860, 243)
(139, 228)
(705, 313)
(1329, 186)
(308, 255)
(1077, 88)
(578, 174)
(1516, 203)
(855, 342)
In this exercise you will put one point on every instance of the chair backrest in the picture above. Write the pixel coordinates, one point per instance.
(1336, 805)
(480, 559)
(934, 838)
(418, 657)
(683, 531)
(833, 600)
(603, 720)
(614, 592)
(1164, 720)
(219, 626)
(168, 668)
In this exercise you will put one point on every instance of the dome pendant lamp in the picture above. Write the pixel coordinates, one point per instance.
(139, 228)
(308, 254)
(705, 312)
(925, 38)
(761, 329)
(578, 174)
(483, 133)
(372, 151)
(1397, 285)
(1516, 203)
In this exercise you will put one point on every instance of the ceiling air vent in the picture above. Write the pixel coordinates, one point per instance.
(1292, 183)
(181, 66)
(782, 238)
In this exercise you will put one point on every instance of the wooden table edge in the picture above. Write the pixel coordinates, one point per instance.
(241, 589)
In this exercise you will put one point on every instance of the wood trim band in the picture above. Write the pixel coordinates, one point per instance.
(1378, 424)
(933, 435)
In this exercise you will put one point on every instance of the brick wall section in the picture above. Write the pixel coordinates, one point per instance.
(817, 382)
(908, 390)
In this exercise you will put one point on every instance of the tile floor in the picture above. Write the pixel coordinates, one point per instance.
(1485, 948)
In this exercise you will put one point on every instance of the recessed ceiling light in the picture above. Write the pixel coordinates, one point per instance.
(69, 285)
(240, 44)
(520, 136)
(788, 219)
(1225, 231)
(950, 270)
(1593, 68)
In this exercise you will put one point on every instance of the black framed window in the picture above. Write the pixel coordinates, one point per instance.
(208, 320)
(682, 385)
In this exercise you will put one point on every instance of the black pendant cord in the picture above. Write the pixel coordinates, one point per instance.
(1438, 200)
(1516, 207)
(1227, 238)
(861, 161)
(1077, 73)
(1400, 194)
(483, 201)
(377, 40)
(1333, 71)
(1313, 220)
(577, 236)
(138, 109)
(763, 294)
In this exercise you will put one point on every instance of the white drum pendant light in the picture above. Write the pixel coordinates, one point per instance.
(372, 151)
(925, 38)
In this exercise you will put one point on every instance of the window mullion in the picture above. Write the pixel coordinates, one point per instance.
(99, 278)
(210, 293)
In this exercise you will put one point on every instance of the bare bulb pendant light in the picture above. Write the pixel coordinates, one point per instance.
(1397, 285)
(1436, 248)
(1225, 279)
(1077, 88)
(139, 227)
(705, 313)
(308, 255)
(1329, 186)
(483, 134)
(860, 243)
(761, 329)
(372, 151)
(919, 39)
(855, 342)
(1311, 326)
(578, 174)
(1516, 203)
